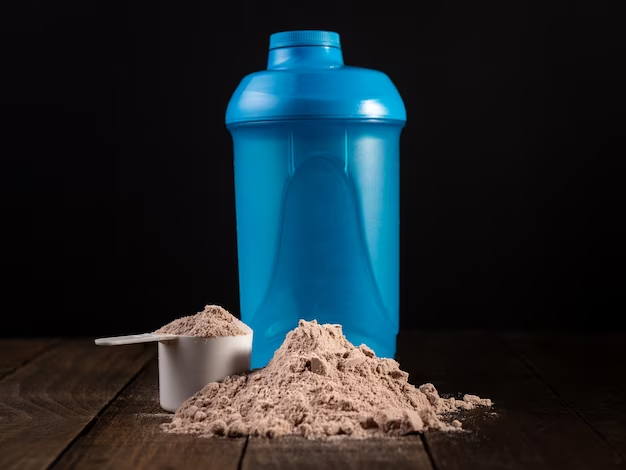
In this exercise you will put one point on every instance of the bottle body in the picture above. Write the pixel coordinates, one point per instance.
(317, 204)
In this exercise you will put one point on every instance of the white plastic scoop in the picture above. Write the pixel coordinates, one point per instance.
(134, 339)
(188, 363)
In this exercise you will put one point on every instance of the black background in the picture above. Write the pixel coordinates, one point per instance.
(117, 180)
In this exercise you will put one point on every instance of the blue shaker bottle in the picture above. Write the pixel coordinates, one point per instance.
(316, 151)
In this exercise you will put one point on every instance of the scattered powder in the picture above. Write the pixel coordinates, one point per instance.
(319, 385)
(211, 322)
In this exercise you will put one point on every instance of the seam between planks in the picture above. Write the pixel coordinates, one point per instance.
(243, 453)
(87, 427)
(429, 452)
(619, 458)
(54, 342)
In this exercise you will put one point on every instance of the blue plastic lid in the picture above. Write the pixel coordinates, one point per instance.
(312, 82)
(304, 38)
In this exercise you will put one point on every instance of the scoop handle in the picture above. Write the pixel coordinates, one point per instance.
(134, 339)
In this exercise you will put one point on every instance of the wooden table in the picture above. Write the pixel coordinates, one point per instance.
(560, 402)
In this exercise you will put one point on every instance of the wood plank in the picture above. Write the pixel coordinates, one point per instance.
(533, 427)
(16, 352)
(49, 402)
(587, 372)
(127, 436)
(294, 452)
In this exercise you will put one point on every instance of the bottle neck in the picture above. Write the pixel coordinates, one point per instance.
(311, 57)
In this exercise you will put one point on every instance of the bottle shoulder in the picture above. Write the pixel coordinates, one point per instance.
(342, 92)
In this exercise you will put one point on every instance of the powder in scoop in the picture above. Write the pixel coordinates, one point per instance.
(211, 322)
(319, 385)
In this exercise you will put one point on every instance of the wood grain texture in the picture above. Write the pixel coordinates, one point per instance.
(558, 405)
(532, 428)
(127, 436)
(587, 372)
(295, 452)
(47, 403)
(16, 352)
